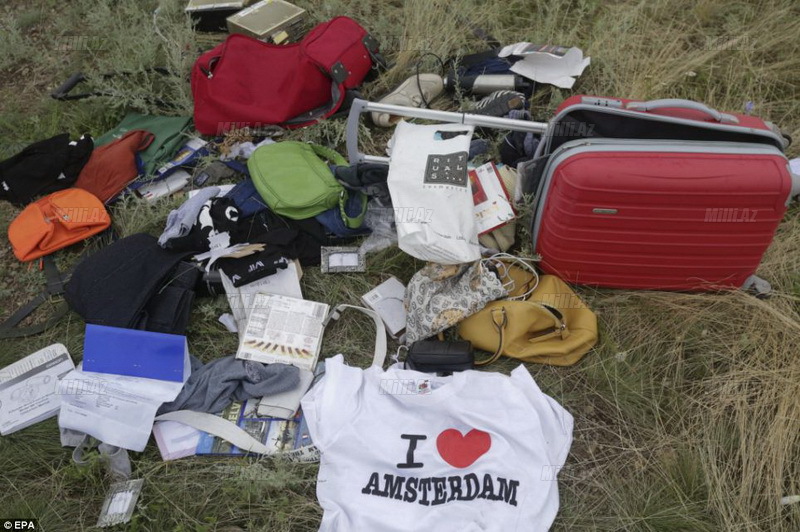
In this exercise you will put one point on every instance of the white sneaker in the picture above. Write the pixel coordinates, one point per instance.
(408, 95)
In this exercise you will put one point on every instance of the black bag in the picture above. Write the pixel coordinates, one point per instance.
(43, 167)
(135, 284)
(431, 356)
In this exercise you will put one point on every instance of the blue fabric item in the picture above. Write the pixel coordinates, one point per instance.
(247, 199)
(238, 166)
(494, 65)
(332, 218)
(478, 147)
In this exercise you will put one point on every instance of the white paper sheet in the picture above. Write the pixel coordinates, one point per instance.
(284, 282)
(28, 388)
(555, 65)
(114, 409)
(175, 440)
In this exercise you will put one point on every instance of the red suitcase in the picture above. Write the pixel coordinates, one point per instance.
(658, 195)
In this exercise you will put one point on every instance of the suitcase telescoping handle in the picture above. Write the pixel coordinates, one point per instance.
(362, 106)
(675, 103)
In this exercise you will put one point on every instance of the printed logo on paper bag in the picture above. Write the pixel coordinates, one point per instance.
(456, 449)
(447, 169)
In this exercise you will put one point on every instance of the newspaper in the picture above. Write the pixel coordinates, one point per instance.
(283, 329)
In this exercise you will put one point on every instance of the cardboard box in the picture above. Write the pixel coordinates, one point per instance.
(211, 15)
(270, 20)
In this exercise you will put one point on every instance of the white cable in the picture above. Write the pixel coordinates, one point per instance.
(501, 262)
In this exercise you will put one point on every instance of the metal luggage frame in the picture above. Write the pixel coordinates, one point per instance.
(362, 106)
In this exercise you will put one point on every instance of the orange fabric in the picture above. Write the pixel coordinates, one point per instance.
(112, 166)
(56, 221)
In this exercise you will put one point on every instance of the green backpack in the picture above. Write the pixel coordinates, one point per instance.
(170, 134)
(296, 182)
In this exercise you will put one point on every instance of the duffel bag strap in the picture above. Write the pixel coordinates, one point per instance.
(337, 97)
(55, 281)
(500, 322)
(333, 66)
(55, 287)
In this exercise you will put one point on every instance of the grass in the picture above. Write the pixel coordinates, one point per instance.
(687, 412)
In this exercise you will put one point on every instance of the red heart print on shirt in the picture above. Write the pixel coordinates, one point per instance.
(462, 450)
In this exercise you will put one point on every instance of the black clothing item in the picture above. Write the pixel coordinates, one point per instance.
(135, 284)
(284, 241)
(43, 167)
(369, 178)
(169, 308)
(276, 255)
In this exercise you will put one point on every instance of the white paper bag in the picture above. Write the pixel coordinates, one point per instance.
(431, 193)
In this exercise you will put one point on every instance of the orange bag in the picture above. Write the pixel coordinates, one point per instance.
(112, 167)
(56, 221)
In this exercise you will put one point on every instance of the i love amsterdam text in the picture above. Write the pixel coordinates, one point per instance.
(433, 491)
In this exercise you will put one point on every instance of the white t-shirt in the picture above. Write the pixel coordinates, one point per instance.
(404, 450)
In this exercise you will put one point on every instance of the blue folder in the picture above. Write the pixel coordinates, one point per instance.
(135, 353)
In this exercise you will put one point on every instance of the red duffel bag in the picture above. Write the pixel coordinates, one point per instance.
(245, 82)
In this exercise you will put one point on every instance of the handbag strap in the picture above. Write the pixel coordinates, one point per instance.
(353, 222)
(335, 158)
(332, 156)
(500, 322)
(219, 427)
(379, 352)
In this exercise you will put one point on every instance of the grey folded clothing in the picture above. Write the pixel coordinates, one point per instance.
(214, 386)
(284, 405)
(181, 220)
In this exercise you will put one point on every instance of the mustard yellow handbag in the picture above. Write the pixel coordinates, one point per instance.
(549, 326)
